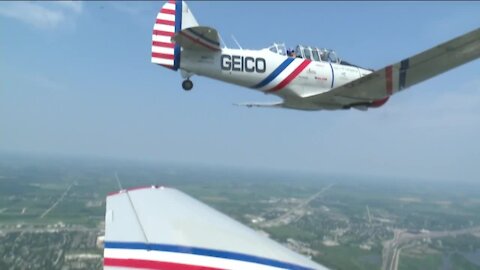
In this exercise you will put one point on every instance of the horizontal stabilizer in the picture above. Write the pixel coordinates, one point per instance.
(200, 38)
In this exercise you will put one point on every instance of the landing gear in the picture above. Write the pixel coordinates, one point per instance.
(187, 85)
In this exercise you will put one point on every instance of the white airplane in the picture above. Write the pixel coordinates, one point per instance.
(312, 79)
(163, 228)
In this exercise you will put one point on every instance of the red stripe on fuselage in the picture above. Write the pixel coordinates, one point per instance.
(292, 76)
(146, 264)
(389, 79)
(160, 21)
(163, 33)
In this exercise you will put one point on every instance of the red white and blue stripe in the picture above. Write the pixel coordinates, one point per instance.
(283, 75)
(168, 22)
(402, 77)
(173, 257)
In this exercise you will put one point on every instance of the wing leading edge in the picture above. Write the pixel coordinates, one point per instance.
(410, 71)
(163, 228)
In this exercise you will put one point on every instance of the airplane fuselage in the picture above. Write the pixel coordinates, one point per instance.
(307, 78)
(269, 72)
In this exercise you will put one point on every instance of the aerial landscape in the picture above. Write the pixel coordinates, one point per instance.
(52, 213)
(354, 142)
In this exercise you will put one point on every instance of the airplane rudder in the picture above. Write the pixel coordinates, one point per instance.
(168, 22)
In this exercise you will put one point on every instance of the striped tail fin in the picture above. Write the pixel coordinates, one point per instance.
(172, 18)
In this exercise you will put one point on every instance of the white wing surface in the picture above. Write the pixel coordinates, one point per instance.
(163, 228)
(394, 78)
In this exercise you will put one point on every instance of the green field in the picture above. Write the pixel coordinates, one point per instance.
(29, 187)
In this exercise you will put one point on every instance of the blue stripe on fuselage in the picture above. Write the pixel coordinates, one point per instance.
(275, 73)
(205, 252)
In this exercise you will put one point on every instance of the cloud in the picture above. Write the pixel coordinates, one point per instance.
(43, 15)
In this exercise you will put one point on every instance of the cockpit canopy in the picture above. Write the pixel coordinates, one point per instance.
(306, 52)
(278, 48)
(316, 54)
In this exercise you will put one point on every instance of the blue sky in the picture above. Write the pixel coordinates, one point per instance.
(76, 79)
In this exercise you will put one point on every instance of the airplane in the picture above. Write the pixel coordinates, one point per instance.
(157, 227)
(311, 79)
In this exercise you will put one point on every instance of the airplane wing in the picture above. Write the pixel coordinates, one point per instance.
(201, 38)
(163, 228)
(387, 81)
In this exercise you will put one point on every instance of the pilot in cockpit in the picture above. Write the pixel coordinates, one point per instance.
(291, 53)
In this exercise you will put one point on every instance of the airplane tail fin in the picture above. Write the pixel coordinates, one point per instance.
(171, 19)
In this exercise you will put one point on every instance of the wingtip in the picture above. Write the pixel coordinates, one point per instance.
(134, 188)
(243, 105)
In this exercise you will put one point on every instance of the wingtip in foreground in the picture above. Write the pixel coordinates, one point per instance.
(163, 228)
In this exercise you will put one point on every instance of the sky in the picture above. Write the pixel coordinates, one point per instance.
(76, 80)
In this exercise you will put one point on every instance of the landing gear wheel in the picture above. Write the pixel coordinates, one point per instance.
(187, 85)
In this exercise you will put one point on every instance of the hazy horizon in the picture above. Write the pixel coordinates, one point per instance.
(41, 160)
(77, 80)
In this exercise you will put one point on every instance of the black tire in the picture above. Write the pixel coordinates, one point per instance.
(187, 85)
